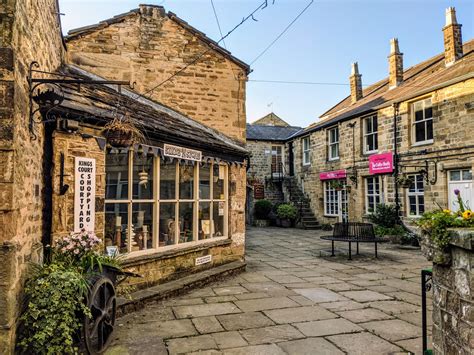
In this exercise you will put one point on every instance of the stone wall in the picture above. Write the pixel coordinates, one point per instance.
(148, 47)
(453, 120)
(29, 31)
(453, 294)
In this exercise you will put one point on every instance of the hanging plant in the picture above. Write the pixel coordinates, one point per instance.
(404, 181)
(338, 185)
(121, 132)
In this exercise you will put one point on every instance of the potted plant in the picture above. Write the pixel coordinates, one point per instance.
(338, 185)
(287, 214)
(262, 209)
(121, 132)
(404, 181)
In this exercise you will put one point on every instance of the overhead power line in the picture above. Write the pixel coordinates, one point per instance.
(283, 32)
(262, 6)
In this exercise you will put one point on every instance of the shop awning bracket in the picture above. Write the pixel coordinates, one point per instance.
(53, 95)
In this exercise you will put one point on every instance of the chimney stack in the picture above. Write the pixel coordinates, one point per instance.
(395, 65)
(452, 38)
(356, 83)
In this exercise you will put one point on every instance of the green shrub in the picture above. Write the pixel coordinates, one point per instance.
(54, 309)
(395, 230)
(287, 211)
(262, 209)
(384, 216)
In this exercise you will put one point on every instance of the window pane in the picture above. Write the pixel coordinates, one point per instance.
(376, 143)
(428, 112)
(421, 205)
(143, 177)
(419, 115)
(116, 224)
(420, 132)
(218, 216)
(218, 181)
(455, 175)
(167, 180)
(142, 226)
(116, 174)
(167, 223)
(204, 220)
(466, 175)
(368, 125)
(429, 129)
(205, 182)
(186, 182)
(186, 222)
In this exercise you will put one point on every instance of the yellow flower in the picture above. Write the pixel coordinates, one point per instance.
(447, 211)
(467, 214)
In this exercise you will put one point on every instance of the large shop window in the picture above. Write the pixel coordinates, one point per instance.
(370, 134)
(422, 113)
(152, 203)
(373, 195)
(335, 199)
(415, 196)
(333, 143)
(306, 151)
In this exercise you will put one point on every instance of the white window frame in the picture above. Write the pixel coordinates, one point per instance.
(306, 150)
(156, 201)
(416, 193)
(425, 103)
(372, 135)
(375, 194)
(333, 143)
(335, 201)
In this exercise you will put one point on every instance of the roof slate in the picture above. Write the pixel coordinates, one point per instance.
(270, 133)
(417, 80)
(99, 104)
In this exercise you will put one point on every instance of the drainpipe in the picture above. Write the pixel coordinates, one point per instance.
(396, 107)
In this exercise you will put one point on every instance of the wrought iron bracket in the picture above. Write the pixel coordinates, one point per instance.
(424, 170)
(52, 96)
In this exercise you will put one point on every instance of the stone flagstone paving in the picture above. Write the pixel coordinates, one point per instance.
(291, 300)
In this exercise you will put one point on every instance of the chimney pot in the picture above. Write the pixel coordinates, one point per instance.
(452, 38)
(356, 83)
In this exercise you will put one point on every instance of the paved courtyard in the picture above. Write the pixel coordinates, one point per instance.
(291, 300)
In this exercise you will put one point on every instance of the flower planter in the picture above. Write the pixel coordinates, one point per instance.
(286, 223)
(119, 138)
(432, 252)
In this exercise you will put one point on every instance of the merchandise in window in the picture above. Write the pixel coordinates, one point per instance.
(422, 121)
(333, 141)
(153, 202)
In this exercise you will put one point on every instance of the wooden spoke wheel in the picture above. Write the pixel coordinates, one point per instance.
(99, 327)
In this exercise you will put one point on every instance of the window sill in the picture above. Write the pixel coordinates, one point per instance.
(419, 144)
(370, 152)
(307, 164)
(330, 215)
(332, 160)
(143, 256)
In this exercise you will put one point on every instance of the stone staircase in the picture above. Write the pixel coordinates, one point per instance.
(299, 199)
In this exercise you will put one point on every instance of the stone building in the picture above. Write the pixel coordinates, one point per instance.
(173, 197)
(404, 140)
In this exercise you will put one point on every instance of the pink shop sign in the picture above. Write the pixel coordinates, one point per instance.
(330, 175)
(381, 163)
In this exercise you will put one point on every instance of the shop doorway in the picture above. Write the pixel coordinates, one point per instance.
(460, 180)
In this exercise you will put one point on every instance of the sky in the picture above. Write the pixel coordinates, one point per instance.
(318, 48)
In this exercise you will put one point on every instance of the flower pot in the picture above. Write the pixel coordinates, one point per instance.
(118, 138)
(286, 223)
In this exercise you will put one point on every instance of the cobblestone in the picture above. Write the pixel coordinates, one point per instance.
(289, 301)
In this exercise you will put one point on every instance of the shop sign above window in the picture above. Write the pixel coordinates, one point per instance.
(381, 163)
(329, 175)
(174, 151)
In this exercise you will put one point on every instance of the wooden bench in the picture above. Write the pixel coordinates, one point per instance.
(353, 232)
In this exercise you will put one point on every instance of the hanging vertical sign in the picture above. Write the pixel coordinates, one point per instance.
(84, 194)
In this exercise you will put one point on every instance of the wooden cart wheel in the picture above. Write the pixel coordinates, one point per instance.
(99, 327)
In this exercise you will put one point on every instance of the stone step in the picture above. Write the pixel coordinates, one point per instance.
(139, 299)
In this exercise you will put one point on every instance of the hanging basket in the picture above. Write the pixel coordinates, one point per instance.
(118, 138)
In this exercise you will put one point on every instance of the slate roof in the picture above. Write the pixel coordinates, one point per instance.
(172, 16)
(270, 133)
(98, 104)
(419, 79)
